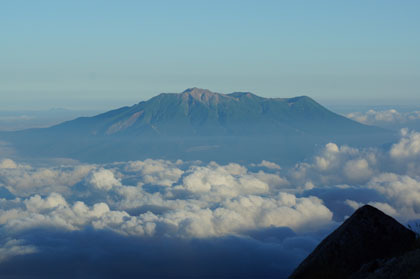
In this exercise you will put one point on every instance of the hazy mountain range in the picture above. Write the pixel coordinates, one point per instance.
(199, 124)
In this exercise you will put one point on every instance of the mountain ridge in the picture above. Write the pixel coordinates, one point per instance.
(238, 126)
(202, 112)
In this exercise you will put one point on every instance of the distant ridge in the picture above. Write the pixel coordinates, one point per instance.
(198, 124)
(200, 112)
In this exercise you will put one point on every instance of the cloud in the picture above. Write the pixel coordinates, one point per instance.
(405, 154)
(157, 172)
(344, 165)
(37, 204)
(13, 247)
(357, 170)
(24, 180)
(268, 165)
(205, 228)
(407, 147)
(402, 191)
(336, 165)
(103, 179)
(218, 182)
(196, 205)
(233, 216)
(7, 164)
(373, 117)
(55, 212)
(391, 175)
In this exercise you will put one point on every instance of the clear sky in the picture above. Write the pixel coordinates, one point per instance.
(90, 54)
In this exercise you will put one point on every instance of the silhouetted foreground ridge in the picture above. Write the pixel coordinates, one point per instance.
(365, 237)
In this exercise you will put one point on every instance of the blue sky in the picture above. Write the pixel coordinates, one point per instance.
(92, 54)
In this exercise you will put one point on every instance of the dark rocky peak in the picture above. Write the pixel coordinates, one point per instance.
(367, 235)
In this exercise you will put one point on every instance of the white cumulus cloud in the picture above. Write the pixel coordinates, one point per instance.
(103, 179)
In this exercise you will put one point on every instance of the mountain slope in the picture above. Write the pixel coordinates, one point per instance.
(367, 235)
(199, 124)
(199, 112)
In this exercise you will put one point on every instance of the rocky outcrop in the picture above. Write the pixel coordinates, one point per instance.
(406, 266)
(366, 236)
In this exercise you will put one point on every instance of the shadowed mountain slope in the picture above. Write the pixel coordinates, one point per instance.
(367, 235)
(199, 124)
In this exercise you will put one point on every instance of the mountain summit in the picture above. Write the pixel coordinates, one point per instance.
(199, 124)
(207, 97)
(203, 95)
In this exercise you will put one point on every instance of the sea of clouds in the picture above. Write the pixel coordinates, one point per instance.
(159, 218)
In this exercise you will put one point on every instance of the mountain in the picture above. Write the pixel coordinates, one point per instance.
(200, 112)
(198, 124)
(365, 237)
